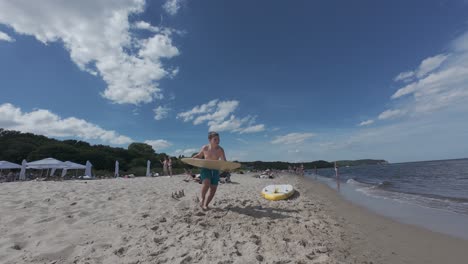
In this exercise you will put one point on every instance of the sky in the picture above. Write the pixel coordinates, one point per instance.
(279, 80)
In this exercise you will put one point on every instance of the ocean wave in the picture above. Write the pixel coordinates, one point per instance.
(457, 205)
(384, 184)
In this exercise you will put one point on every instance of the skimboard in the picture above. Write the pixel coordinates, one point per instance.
(212, 164)
(278, 192)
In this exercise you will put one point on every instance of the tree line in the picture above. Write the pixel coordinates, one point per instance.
(16, 146)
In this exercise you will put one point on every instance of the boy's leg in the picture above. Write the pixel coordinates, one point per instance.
(204, 190)
(205, 177)
(213, 189)
(213, 186)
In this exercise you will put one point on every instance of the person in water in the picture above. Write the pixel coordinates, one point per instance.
(210, 178)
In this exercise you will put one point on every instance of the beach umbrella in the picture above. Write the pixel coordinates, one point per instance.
(64, 172)
(23, 170)
(88, 169)
(49, 163)
(71, 166)
(8, 165)
(116, 172)
(148, 166)
(74, 166)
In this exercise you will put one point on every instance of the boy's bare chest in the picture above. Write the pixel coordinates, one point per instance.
(212, 154)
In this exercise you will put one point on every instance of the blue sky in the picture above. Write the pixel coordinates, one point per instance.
(293, 81)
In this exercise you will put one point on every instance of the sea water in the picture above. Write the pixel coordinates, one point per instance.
(432, 194)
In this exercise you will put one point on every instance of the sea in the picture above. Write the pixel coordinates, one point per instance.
(431, 194)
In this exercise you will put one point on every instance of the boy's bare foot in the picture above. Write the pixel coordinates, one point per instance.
(205, 208)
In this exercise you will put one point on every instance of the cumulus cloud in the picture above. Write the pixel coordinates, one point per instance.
(366, 123)
(158, 144)
(159, 46)
(5, 37)
(146, 26)
(97, 35)
(219, 117)
(172, 6)
(47, 123)
(292, 138)
(161, 112)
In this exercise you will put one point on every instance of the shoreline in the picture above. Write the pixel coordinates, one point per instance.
(390, 240)
(137, 221)
(433, 219)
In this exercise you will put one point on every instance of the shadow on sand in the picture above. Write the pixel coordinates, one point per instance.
(262, 212)
(231, 182)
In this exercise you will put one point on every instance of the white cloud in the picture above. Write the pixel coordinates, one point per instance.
(427, 66)
(367, 122)
(47, 123)
(186, 152)
(5, 37)
(172, 6)
(439, 84)
(404, 76)
(390, 114)
(97, 35)
(224, 108)
(430, 64)
(161, 112)
(219, 117)
(146, 26)
(158, 144)
(159, 46)
(253, 129)
(292, 138)
(202, 109)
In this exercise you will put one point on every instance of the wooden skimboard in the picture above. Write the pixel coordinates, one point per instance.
(212, 164)
(278, 192)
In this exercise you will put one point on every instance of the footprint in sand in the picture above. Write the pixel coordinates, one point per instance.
(46, 220)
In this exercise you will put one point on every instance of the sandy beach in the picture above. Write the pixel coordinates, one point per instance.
(137, 221)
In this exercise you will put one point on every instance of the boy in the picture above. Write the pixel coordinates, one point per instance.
(210, 178)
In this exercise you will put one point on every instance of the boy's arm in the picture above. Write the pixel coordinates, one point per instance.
(200, 154)
(223, 155)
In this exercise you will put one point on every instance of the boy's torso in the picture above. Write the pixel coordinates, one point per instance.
(212, 153)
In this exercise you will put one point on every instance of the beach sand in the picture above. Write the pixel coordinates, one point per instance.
(137, 221)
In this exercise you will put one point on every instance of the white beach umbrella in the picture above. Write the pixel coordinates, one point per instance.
(88, 169)
(74, 166)
(48, 163)
(116, 172)
(8, 165)
(64, 172)
(148, 167)
(23, 170)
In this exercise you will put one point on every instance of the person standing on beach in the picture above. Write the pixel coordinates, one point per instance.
(165, 163)
(210, 178)
(169, 166)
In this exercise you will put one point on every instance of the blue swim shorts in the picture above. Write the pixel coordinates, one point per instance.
(212, 175)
